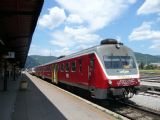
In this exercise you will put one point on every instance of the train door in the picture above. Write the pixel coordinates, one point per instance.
(52, 73)
(91, 67)
(55, 74)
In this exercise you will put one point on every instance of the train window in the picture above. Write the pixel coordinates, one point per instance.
(58, 67)
(80, 65)
(119, 62)
(74, 66)
(67, 67)
(62, 67)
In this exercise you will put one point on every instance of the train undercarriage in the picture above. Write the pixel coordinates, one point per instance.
(123, 93)
(115, 93)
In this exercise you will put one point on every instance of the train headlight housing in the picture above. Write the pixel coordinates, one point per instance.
(110, 82)
(117, 46)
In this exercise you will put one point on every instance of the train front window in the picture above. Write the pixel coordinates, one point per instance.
(119, 62)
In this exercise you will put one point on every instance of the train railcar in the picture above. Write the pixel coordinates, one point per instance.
(31, 71)
(106, 70)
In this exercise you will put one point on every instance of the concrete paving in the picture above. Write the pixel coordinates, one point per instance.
(31, 104)
(7, 99)
(44, 101)
(71, 107)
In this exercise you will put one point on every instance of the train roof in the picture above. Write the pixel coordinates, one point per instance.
(83, 52)
(94, 49)
(80, 53)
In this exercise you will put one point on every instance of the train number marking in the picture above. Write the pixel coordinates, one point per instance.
(126, 82)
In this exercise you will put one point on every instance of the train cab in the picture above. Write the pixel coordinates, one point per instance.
(120, 67)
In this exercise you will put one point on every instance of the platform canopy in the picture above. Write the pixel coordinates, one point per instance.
(18, 19)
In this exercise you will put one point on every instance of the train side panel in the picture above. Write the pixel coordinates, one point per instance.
(78, 76)
(88, 74)
(101, 80)
(47, 72)
(97, 79)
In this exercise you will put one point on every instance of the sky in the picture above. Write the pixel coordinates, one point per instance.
(69, 26)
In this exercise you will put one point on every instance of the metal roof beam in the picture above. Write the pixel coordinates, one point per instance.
(19, 36)
(9, 13)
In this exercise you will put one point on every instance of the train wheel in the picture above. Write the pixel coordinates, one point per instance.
(125, 94)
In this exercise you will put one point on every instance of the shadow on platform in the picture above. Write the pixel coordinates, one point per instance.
(31, 104)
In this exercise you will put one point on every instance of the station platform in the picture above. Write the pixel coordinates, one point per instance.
(44, 101)
(28, 104)
(7, 99)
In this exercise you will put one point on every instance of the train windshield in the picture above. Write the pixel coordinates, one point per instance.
(119, 62)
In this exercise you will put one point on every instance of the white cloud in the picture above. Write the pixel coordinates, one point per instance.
(74, 19)
(52, 20)
(83, 19)
(156, 45)
(83, 46)
(76, 31)
(96, 13)
(62, 39)
(81, 34)
(63, 51)
(75, 39)
(149, 6)
(38, 50)
(132, 1)
(144, 32)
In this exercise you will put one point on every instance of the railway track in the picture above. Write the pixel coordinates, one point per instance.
(135, 112)
(155, 81)
(151, 94)
(150, 78)
(126, 109)
(130, 110)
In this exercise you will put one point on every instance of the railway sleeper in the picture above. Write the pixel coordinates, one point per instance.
(151, 88)
(141, 88)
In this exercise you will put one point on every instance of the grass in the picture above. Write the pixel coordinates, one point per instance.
(150, 71)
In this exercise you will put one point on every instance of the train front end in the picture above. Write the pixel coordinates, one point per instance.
(120, 67)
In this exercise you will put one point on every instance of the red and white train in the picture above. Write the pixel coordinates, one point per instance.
(106, 70)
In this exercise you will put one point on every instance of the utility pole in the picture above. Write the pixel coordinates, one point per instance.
(146, 60)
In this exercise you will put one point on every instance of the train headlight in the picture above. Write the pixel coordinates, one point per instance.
(110, 82)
